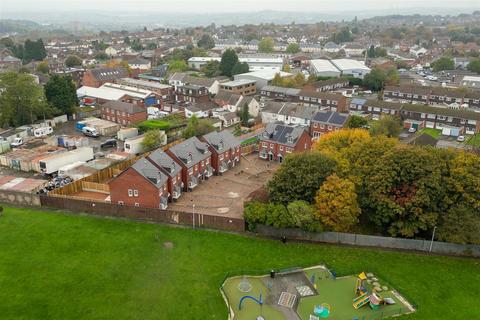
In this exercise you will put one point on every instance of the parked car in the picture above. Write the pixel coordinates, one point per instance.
(461, 138)
(110, 143)
(412, 130)
(90, 132)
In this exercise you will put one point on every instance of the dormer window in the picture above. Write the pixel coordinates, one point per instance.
(189, 158)
(265, 134)
(220, 145)
(290, 140)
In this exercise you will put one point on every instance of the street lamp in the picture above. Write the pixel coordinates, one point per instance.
(433, 236)
(193, 216)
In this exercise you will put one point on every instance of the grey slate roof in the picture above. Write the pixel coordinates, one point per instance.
(129, 108)
(283, 134)
(150, 172)
(191, 151)
(330, 117)
(164, 161)
(222, 140)
(206, 106)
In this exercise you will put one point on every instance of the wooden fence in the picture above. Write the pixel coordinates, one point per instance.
(143, 214)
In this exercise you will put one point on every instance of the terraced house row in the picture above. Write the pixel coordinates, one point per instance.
(432, 96)
(161, 176)
(451, 121)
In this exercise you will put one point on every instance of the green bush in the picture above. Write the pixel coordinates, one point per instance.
(154, 124)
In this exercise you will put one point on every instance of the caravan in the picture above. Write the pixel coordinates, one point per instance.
(42, 132)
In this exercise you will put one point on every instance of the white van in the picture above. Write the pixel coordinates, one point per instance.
(90, 132)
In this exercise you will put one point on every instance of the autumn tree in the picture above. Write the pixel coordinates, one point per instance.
(404, 191)
(177, 66)
(299, 177)
(356, 122)
(43, 67)
(336, 204)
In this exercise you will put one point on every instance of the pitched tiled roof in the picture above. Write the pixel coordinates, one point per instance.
(150, 172)
(191, 151)
(455, 113)
(163, 160)
(222, 140)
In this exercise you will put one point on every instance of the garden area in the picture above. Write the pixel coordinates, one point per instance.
(434, 133)
(64, 266)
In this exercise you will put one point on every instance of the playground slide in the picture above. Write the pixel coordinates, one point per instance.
(361, 301)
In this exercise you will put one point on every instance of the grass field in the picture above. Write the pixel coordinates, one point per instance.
(57, 266)
(435, 133)
(474, 140)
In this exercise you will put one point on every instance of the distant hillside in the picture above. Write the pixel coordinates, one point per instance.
(9, 25)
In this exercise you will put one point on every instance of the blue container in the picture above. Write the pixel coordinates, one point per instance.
(150, 101)
(79, 126)
(61, 142)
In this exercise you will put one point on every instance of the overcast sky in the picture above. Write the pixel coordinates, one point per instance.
(203, 6)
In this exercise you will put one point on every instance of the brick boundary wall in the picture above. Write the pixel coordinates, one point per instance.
(18, 198)
(143, 214)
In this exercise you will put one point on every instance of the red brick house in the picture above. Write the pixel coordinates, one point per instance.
(172, 169)
(98, 77)
(279, 140)
(195, 159)
(123, 112)
(327, 121)
(141, 185)
(225, 149)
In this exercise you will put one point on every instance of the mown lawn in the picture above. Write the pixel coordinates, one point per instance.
(57, 266)
(434, 133)
(474, 140)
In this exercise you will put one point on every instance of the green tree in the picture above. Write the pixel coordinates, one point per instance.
(152, 139)
(474, 66)
(375, 80)
(303, 216)
(206, 42)
(177, 66)
(101, 56)
(240, 67)
(229, 60)
(336, 203)
(34, 50)
(293, 48)
(299, 177)
(244, 115)
(61, 93)
(22, 100)
(343, 35)
(73, 61)
(389, 126)
(43, 67)
(266, 45)
(211, 69)
(444, 63)
(197, 127)
(151, 46)
(356, 122)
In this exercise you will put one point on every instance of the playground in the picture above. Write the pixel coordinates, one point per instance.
(312, 294)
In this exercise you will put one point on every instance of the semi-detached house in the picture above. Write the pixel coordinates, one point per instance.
(278, 140)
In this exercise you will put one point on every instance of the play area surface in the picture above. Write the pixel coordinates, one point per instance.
(312, 294)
